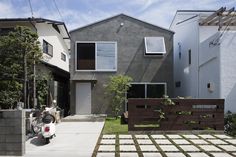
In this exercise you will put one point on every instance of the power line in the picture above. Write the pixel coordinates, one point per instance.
(49, 9)
(31, 9)
(58, 10)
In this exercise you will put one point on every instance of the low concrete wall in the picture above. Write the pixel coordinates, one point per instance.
(12, 132)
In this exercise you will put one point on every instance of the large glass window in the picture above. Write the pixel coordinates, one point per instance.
(106, 56)
(154, 46)
(146, 90)
(97, 56)
(155, 90)
(136, 91)
(86, 56)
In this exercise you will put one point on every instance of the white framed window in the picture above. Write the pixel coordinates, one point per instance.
(47, 48)
(96, 56)
(147, 90)
(154, 46)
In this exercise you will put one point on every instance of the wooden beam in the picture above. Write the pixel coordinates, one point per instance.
(221, 18)
(212, 16)
(230, 14)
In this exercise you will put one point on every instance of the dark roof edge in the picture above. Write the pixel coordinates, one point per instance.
(37, 20)
(109, 18)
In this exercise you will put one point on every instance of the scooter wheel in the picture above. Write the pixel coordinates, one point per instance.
(47, 140)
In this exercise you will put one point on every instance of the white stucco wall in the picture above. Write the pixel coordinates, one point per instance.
(209, 68)
(186, 34)
(228, 70)
(215, 64)
(48, 33)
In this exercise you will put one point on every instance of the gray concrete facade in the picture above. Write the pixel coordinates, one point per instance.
(12, 132)
(130, 57)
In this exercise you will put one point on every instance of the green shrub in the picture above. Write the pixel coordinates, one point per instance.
(230, 124)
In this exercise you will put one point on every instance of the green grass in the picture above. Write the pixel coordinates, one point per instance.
(113, 126)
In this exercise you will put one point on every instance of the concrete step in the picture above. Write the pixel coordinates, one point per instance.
(85, 118)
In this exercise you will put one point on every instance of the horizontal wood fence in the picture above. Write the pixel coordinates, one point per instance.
(186, 114)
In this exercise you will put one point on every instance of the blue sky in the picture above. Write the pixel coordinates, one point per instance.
(77, 13)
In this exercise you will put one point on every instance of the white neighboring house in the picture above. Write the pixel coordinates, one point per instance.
(55, 44)
(205, 54)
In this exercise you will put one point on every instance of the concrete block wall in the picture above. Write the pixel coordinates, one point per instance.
(12, 132)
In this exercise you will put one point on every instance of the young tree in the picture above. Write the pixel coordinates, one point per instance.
(18, 48)
(115, 90)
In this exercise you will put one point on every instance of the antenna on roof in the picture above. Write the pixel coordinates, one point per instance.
(31, 9)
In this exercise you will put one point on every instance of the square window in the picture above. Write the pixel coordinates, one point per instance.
(154, 46)
(96, 56)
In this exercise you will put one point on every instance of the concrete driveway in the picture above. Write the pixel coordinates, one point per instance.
(72, 139)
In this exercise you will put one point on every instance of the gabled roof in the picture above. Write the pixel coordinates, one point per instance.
(124, 15)
(37, 20)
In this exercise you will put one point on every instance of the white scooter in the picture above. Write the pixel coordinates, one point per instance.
(48, 129)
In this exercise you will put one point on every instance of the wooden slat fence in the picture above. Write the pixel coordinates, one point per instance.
(186, 114)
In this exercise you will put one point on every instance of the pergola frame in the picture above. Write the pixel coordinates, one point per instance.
(221, 17)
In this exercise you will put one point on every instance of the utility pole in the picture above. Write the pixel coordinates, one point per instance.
(34, 84)
(25, 80)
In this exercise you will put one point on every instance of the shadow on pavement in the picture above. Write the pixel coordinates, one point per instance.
(38, 141)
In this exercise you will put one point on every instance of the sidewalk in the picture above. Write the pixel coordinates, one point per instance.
(72, 139)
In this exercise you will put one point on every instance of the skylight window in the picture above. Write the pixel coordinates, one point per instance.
(154, 46)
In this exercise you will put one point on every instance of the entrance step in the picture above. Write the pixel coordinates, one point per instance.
(85, 118)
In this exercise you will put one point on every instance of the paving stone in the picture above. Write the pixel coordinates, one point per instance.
(128, 154)
(142, 136)
(161, 141)
(127, 148)
(169, 148)
(223, 136)
(217, 141)
(233, 141)
(181, 141)
(152, 155)
(148, 148)
(190, 136)
(158, 136)
(189, 148)
(142, 141)
(221, 155)
(209, 148)
(108, 148)
(175, 155)
(174, 136)
(105, 154)
(199, 141)
(198, 155)
(229, 148)
(106, 141)
(126, 141)
(207, 136)
(109, 136)
(125, 136)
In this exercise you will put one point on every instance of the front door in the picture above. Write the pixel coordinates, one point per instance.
(83, 98)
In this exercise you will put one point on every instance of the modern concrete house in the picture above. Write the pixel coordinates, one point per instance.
(55, 43)
(205, 54)
(119, 45)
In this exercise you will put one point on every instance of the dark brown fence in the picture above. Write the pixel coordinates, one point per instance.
(186, 114)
